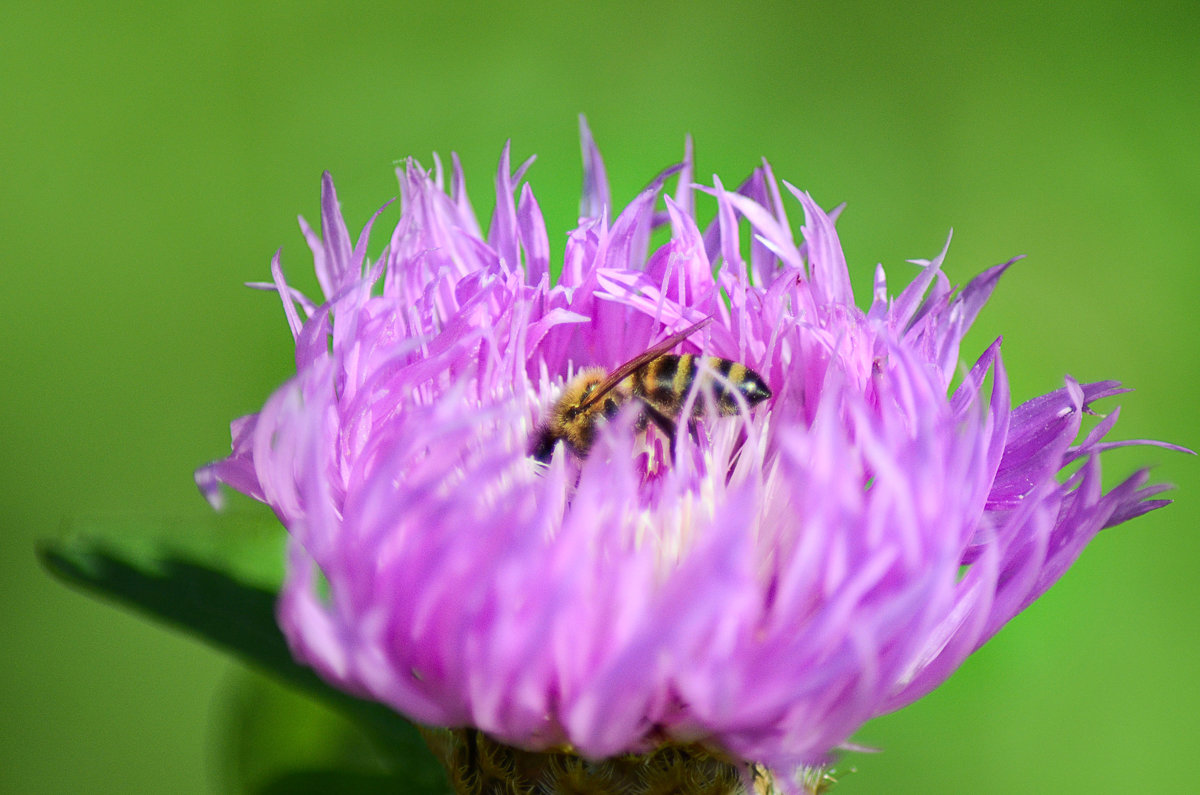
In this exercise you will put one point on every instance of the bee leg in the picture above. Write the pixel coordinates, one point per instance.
(693, 431)
(662, 422)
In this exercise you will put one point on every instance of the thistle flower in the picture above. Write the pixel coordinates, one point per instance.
(758, 588)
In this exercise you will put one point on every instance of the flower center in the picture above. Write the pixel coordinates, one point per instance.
(477, 765)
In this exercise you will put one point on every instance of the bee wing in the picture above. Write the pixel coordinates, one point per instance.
(621, 373)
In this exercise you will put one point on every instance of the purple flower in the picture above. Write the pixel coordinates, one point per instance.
(777, 579)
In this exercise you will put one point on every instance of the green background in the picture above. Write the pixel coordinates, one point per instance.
(153, 157)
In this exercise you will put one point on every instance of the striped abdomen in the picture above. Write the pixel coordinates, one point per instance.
(665, 382)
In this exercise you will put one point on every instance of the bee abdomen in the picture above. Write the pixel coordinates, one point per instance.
(666, 381)
(656, 381)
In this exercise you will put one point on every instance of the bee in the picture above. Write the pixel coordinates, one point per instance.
(658, 380)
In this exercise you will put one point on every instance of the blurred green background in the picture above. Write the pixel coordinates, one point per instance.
(154, 156)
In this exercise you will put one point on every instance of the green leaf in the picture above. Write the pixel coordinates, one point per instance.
(217, 579)
(262, 729)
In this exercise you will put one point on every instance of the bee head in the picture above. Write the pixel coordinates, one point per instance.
(543, 445)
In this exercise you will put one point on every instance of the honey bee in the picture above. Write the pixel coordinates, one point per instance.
(658, 380)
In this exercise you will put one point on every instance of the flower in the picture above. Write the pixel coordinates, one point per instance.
(761, 586)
